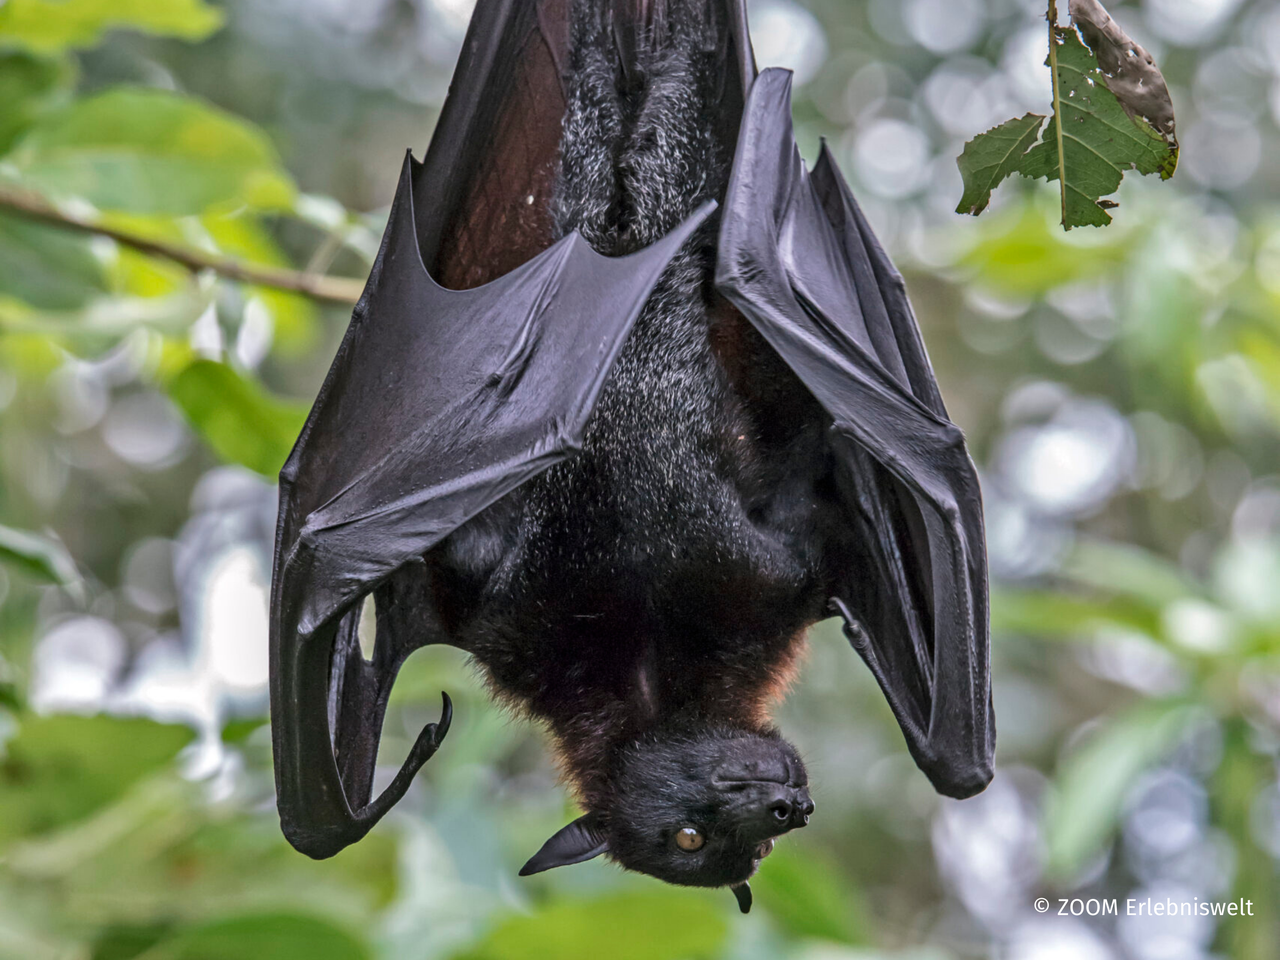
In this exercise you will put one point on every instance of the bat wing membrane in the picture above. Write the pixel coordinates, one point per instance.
(908, 571)
(439, 402)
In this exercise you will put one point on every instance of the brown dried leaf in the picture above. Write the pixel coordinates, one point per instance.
(1128, 70)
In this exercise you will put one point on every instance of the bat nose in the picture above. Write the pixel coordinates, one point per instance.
(801, 809)
(790, 810)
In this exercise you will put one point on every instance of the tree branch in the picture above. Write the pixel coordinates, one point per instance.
(317, 286)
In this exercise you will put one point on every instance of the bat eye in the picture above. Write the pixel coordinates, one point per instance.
(690, 839)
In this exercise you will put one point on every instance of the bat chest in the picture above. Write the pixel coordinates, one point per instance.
(671, 562)
(647, 573)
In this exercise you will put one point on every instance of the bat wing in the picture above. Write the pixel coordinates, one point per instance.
(440, 402)
(908, 572)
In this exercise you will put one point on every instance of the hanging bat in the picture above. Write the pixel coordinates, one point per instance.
(631, 400)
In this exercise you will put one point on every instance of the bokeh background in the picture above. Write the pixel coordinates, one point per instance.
(1120, 389)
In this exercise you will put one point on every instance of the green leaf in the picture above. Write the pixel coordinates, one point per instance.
(27, 86)
(238, 731)
(126, 942)
(38, 555)
(276, 936)
(59, 769)
(241, 421)
(10, 696)
(1089, 790)
(989, 158)
(1101, 136)
(1100, 141)
(47, 268)
(48, 26)
(654, 925)
(152, 152)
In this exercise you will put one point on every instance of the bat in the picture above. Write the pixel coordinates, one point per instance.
(632, 399)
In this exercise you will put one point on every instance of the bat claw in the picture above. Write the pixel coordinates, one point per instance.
(446, 718)
(433, 734)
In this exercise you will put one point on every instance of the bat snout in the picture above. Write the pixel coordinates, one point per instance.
(764, 810)
(789, 809)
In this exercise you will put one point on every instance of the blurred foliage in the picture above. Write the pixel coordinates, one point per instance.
(1085, 807)
(38, 555)
(1120, 389)
(660, 923)
(50, 26)
(240, 422)
(59, 769)
(150, 152)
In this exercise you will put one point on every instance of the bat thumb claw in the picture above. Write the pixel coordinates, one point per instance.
(446, 718)
(853, 629)
(432, 735)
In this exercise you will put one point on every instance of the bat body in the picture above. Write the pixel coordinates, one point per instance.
(623, 446)
(653, 589)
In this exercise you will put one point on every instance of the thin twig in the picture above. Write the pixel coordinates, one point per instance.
(341, 290)
(1057, 107)
(324, 256)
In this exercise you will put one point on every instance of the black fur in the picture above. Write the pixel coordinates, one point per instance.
(647, 597)
(673, 460)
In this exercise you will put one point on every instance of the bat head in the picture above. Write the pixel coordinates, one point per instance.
(701, 811)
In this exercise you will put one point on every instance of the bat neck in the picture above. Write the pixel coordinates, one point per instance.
(592, 742)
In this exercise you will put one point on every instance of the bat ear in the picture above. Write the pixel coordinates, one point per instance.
(579, 841)
(743, 893)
